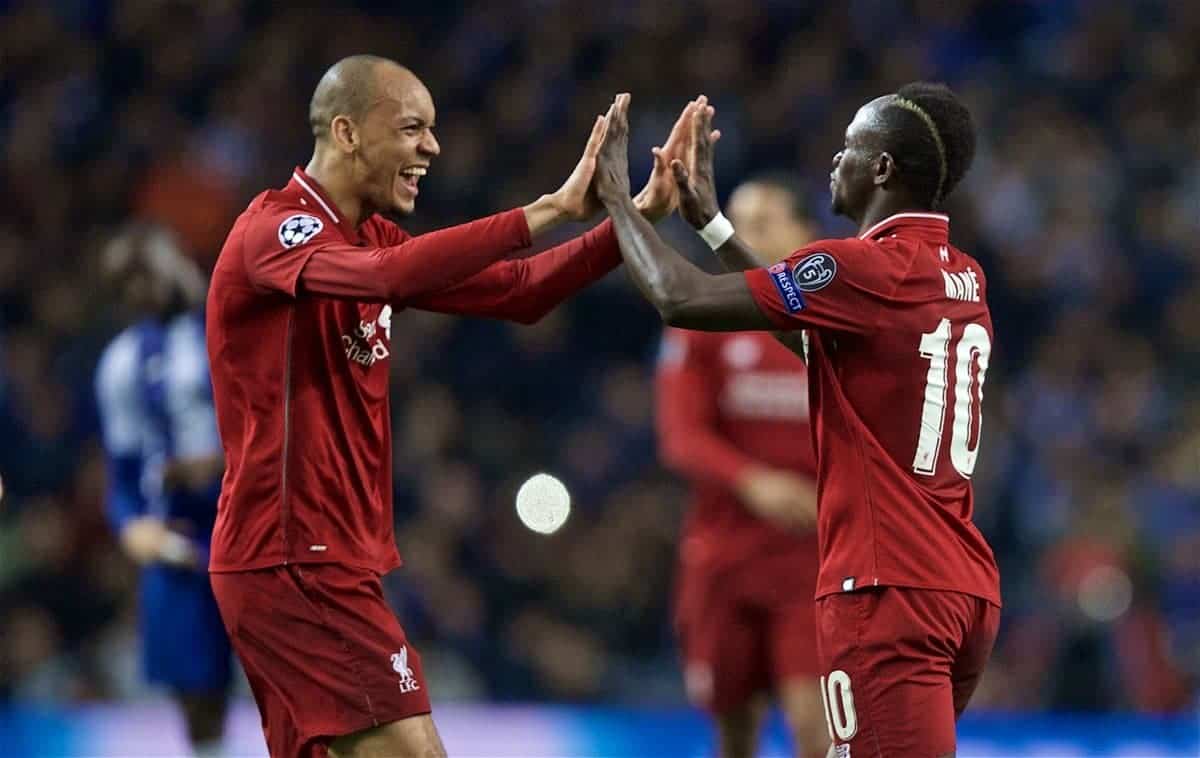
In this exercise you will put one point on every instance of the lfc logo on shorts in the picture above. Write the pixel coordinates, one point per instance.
(408, 681)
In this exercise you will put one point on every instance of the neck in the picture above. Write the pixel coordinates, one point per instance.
(886, 205)
(333, 173)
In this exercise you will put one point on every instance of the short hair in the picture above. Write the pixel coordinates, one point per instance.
(931, 136)
(347, 88)
(788, 183)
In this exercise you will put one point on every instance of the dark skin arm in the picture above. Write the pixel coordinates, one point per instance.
(698, 190)
(698, 199)
(684, 295)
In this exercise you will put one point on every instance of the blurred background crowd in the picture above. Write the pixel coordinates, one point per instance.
(1083, 206)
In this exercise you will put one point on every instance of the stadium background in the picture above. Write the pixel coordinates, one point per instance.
(1083, 206)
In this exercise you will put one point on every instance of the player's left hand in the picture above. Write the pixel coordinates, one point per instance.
(574, 199)
(693, 171)
(659, 198)
(612, 163)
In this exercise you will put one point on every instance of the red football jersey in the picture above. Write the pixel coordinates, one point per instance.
(299, 325)
(898, 342)
(728, 401)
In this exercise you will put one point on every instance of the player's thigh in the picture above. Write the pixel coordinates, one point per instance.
(413, 737)
(796, 670)
(886, 687)
(800, 700)
(738, 727)
(723, 646)
(972, 658)
(324, 655)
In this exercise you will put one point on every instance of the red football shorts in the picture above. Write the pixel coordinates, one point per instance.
(745, 631)
(324, 653)
(898, 667)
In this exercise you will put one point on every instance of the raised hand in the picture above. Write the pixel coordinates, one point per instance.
(660, 197)
(694, 171)
(574, 198)
(612, 162)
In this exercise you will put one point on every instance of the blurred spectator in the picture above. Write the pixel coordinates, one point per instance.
(1082, 206)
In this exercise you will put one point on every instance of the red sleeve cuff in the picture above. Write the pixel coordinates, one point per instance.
(520, 225)
(762, 289)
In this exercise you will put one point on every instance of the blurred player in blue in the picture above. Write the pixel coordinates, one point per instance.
(164, 471)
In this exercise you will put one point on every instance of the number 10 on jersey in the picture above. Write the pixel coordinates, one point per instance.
(970, 367)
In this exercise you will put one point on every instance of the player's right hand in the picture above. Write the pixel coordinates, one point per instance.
(659, 198)
(612, 162)
(780, 497)
(694, 172)
(147, 540)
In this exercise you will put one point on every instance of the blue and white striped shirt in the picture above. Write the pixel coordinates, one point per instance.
(155, 403)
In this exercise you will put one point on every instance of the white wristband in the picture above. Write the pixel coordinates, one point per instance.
(717, 232)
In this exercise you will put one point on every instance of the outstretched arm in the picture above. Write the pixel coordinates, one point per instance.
(684, 295)
(526, 289)
(290, 251)
(698, 205)
(693, 173)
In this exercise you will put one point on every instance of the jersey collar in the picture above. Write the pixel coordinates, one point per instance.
(935, 226)
(311, 192)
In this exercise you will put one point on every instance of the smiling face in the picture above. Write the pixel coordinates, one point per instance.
(396, 141)
(857, 168)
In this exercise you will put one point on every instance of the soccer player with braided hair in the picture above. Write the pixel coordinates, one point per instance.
(895, 327)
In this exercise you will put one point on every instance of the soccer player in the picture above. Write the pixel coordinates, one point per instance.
(305, 296)
(733, 419)
(164, 471)
(898, 343)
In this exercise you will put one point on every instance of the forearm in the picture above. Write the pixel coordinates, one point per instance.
(663, 276)
(422, 264)
(195, 473)
(736, 255)
(123, 498)
(546, 280)
(542, 215)
(525, 290)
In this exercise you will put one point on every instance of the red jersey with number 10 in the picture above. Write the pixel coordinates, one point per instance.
(899, 339)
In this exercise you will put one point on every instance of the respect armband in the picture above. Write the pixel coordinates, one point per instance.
(717, 232)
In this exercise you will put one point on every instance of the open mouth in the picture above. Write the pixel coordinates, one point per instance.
(410, 177)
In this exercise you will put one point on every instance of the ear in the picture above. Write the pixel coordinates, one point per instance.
(885, 167)
(344, 134)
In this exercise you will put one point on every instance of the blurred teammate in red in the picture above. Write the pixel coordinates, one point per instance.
(733, 420)
(306, 293)
(897, 335)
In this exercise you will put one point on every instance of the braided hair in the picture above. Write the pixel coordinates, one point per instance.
(931, 136)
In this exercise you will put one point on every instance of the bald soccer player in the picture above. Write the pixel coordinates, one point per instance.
(306, 293)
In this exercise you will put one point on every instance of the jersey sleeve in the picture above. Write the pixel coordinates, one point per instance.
(121, 426)
(527, 289)
(291, 251)
(687, 412)
(834, 284)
